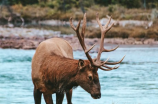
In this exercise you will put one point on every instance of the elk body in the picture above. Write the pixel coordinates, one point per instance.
(55, 71)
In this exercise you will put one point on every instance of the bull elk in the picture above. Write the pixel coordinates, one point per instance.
(55, 71)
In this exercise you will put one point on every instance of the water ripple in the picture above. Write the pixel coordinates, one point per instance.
(134, 82)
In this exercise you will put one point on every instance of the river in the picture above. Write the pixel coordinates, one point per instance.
(134, 82)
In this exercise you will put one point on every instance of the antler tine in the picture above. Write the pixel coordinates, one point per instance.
(115, 67)
(105, 69)
(89, 49)
(114, 63)
(108, 68)
(109, 28)
(106, 50)
(106, 26)
(73, 27)
(71, 24)
(105, 61)
(98, 21)
(83, 26)
(107, 23)
(78, 26)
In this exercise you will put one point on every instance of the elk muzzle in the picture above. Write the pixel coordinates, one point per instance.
(96, 95)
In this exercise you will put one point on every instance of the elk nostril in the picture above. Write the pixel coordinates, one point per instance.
(96, 96)
(99, 96)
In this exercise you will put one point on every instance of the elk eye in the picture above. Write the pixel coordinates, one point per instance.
(90, 77)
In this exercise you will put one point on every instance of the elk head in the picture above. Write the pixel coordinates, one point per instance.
(87, 76)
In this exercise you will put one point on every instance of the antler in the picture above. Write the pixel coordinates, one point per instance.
(81, 36)
(104, 29)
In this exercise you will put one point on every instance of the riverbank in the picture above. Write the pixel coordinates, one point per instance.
(128, 23)
(24, 38)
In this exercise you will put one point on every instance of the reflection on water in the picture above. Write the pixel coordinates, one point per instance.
(135, 82)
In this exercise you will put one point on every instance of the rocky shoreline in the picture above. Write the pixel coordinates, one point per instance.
(22, 38)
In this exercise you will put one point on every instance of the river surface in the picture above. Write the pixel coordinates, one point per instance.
(134, 82)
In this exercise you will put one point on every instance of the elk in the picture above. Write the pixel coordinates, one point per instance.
(55, 71)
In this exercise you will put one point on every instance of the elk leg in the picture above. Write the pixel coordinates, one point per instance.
(48, 98)
(69, 96)
(59, 98)
(37, 96)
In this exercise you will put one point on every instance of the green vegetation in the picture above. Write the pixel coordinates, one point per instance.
(36, 12)
(67, 4)
(64, 9)
(125, 32)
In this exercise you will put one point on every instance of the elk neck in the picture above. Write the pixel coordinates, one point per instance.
(59, 72)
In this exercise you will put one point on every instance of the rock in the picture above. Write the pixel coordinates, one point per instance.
(130, 41)
(149, 41)
(138, 43)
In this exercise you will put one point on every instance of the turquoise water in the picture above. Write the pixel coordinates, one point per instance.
(135, 82)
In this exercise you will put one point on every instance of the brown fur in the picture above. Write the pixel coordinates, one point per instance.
(59, 73)
(55, 71)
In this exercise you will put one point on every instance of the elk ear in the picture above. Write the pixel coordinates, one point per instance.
(80, 63)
